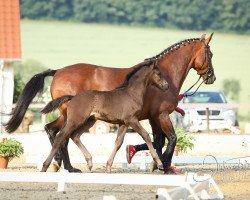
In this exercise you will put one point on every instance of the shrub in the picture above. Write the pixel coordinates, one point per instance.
(184, 140)
(11, 148)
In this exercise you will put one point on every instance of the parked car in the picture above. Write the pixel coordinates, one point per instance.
(195, 118)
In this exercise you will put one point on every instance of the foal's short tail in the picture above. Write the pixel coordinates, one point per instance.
(54, 104)
(31, 89)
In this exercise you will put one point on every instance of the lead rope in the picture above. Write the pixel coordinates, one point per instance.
(180, 97)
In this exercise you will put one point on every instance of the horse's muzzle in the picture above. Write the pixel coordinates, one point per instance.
(210, 80)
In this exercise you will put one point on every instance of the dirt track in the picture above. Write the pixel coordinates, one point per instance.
(234, 183)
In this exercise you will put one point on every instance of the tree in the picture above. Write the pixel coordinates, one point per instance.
(232, 88)
(18, 86)
(23, 72)
(229, 15)
(52, 9)
(28, 68)
(236, 15)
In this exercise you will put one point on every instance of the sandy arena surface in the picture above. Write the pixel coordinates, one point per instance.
(234, 181)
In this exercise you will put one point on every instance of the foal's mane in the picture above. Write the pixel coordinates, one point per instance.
(145, 63)
(174, 47)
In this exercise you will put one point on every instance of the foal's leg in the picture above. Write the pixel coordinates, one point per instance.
(52, 129)
(139, 129)
(87, 155)
(59, 139)
(158, 142)
(118, 142)
(76, 139)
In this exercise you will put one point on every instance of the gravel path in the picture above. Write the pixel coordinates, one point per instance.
(234, 183)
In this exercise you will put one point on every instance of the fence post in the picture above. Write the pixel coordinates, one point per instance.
(207, 119)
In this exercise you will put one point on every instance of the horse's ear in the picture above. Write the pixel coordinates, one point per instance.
(203, 37)
(209, 39)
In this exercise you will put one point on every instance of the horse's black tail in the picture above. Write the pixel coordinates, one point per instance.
(54, 104)
(31, 89)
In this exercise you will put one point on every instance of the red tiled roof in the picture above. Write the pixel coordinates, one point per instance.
(10, 41)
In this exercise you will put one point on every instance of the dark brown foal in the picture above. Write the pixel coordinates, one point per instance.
(121, 106)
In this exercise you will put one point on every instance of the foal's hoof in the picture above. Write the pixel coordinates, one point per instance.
(74, 170)
(108, 169)
(90, 167)
(153, 166)
(56, 166)
(90, 164)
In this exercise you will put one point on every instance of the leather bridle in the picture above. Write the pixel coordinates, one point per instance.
(209, 71)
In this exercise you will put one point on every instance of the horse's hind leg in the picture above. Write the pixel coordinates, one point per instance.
(76, 139)
(118, 142)
(62, 154)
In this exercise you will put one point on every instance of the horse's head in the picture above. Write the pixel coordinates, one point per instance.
(203, 60)
(157, 79)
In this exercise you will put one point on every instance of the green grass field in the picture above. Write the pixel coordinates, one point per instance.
(57, 44)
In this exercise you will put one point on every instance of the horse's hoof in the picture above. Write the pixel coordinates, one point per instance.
(153, 166)
(171, 170)
(74, 170)
(56, 167)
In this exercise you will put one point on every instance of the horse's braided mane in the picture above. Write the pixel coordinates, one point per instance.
(149, 61)
(136, 68)
(173, 47)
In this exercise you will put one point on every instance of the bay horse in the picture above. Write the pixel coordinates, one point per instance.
(122, 106)
(174, 63)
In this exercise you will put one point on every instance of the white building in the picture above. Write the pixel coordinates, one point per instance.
(10, 51)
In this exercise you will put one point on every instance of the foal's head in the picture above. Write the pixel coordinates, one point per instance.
(156, 78)
(149, 74)
(143, 74)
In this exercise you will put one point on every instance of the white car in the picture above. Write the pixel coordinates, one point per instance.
(195, 118)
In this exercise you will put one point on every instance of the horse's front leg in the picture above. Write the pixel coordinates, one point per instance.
(139, 129)
(118, 142)
(159, 141)
(168, 129)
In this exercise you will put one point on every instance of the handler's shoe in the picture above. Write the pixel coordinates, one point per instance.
(171, 170)
(130, 152)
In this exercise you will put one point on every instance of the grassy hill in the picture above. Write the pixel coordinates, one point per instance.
(57, 44)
